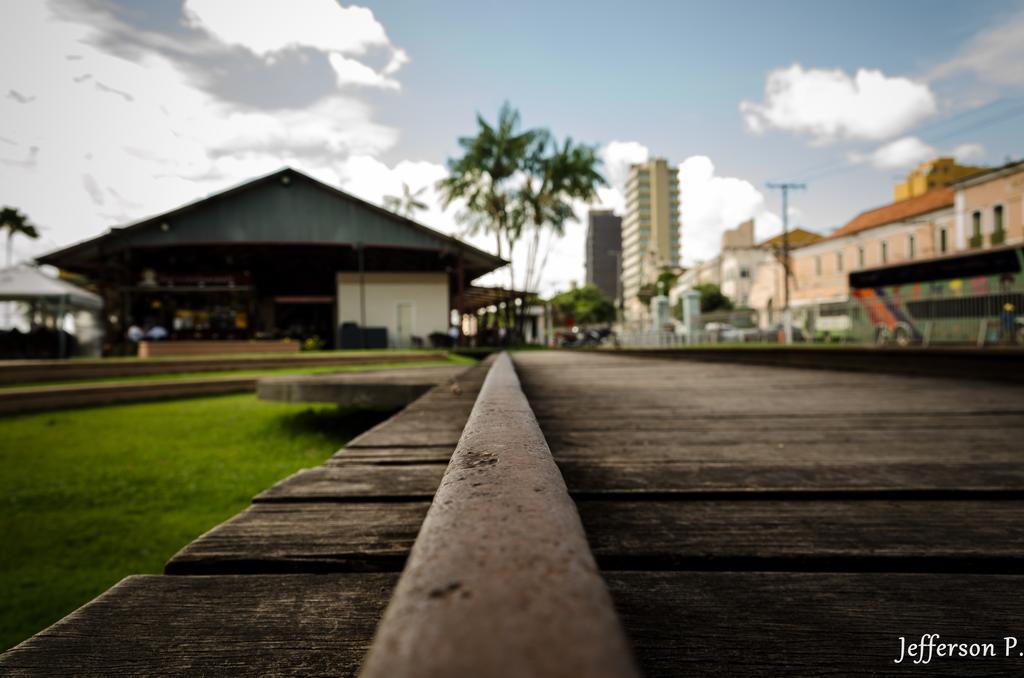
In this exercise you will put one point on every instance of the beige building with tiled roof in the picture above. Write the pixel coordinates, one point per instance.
(921, 227)
(981, 211)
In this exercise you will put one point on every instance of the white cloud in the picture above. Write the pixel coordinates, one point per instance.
(968, 153)
(904, 152)
(909, 151)
(617, 156)
(831, 105)
(712, 204)
(351, 72)
(120, 138)
(269, 27)
(993, 56)
(266, 26)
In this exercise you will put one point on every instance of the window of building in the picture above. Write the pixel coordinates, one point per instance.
(997, 219)
(744, 272)
(860, 257)
(976, 224)
(943, 241)
(911, 247)
(839, 261)
(885, 252)
(817, 265)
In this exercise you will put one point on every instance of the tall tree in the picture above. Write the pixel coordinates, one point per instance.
(487, 176)
(407, 204)
(15, 222)
(556, 176)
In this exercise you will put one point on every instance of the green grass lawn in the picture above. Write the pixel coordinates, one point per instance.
(93, 495)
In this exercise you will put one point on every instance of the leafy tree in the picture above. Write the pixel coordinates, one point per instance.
(664, 282)
(15, 222)
(585, 305)
(712, 299)
(487, 178)
(407, 204)
(513, 180)
(647, 292)
(556, 175)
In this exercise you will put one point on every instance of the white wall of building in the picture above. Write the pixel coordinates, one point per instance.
(419, 300)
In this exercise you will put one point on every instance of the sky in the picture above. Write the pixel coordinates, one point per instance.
(114, 110)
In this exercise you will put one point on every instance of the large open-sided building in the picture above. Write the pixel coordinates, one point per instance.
(282, 256)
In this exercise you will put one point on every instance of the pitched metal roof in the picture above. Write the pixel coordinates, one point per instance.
(285, 207)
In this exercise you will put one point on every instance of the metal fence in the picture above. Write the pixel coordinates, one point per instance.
(988, 319)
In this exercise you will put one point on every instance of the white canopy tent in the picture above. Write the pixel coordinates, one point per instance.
(56, 304)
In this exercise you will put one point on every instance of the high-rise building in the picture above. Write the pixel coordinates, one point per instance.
(650, 231)
(604, 250)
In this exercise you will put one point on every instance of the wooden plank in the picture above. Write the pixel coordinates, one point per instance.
(896, 451)
(426, 454)
(357, 482)
(353, 480)
(306, 537)
(385, 438)
(585, 383)
(785, 624)
(601, 475)
(806, 535)
(571, 421)
(282, 625)
(962, 438)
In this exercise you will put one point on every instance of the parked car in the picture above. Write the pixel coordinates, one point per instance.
(584, 338)
(722, 332)
(775, 333)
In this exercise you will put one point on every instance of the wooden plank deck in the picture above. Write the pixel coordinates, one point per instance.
(258, 625)
(754, 520)
(748, 520)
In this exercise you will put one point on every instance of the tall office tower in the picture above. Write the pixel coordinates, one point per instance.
(650, 231)
(604, 249)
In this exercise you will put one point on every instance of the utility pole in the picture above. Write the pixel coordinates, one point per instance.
(787, 317)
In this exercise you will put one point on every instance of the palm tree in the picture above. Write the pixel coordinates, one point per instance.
(485, 178)
(407, 204)
(558, 175)
(15, 222)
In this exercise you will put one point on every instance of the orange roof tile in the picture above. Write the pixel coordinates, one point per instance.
(897, 211)
(798, 237)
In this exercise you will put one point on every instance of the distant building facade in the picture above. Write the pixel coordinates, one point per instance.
(921, 227)
(990, 208)
(283, 256)
(930, 175)
(733, 269)
(651, 232)
(604, 251)
(982, 211)
(747, 272)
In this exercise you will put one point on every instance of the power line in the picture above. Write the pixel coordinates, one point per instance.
(819, 170)
(987, 122)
